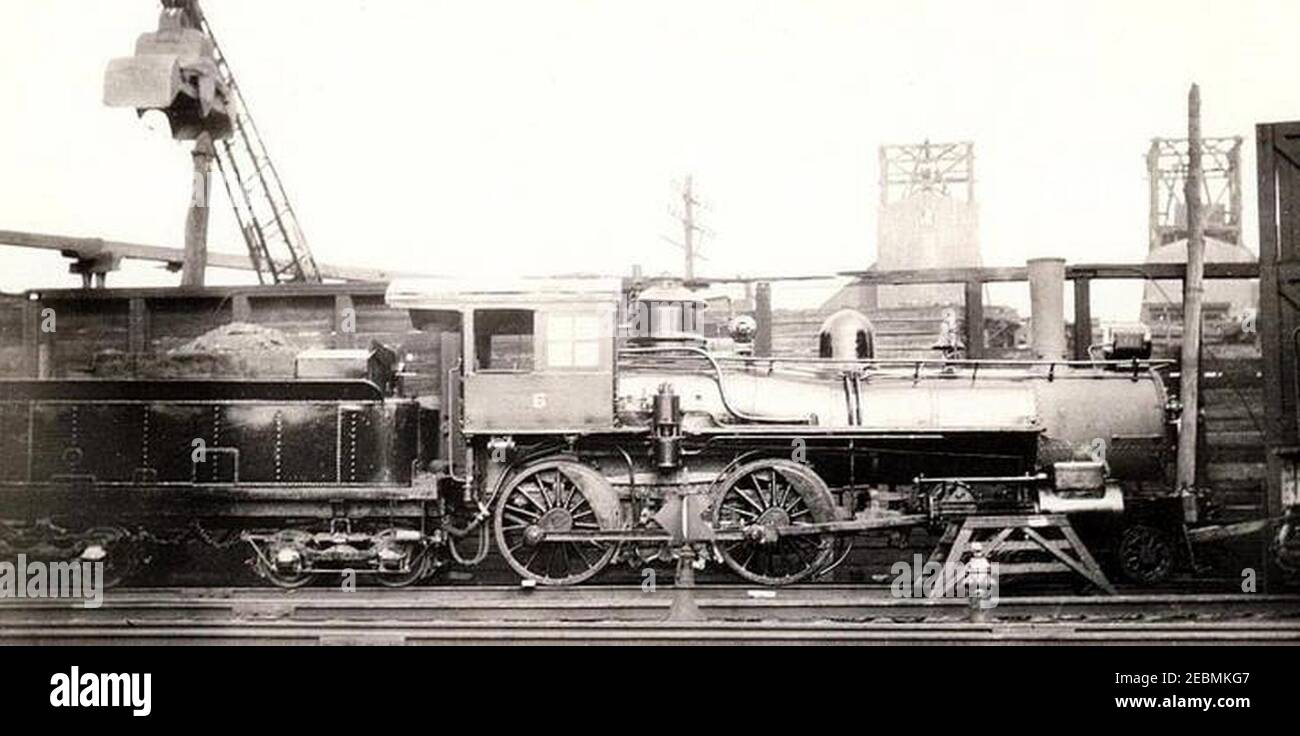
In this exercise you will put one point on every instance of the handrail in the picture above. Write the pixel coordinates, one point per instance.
(946, 362)
(915, 365)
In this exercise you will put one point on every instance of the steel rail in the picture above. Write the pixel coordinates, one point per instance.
(226, 608)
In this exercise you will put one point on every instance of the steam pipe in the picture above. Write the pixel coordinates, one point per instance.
(722, 389)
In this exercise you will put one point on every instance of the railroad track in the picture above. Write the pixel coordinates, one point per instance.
(481, 633)
(627, 614)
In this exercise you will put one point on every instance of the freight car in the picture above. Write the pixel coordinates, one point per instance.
(579, 423)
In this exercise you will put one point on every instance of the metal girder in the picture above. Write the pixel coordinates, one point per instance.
(1167, 170)
(907, 169)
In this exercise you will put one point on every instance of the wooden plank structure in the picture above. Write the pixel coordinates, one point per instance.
(136, 324)
(1278, 162)
(1081, 274)
(1048, 537)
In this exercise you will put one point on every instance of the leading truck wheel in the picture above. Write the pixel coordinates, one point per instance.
(1146, 554)
(760, 497)
(550, 497)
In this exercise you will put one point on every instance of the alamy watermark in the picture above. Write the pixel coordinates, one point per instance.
(76, 689)
(37, 579)
(976, 582)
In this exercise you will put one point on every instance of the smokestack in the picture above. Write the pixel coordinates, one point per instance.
(1047, 302)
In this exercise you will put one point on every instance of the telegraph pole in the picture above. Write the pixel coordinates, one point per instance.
(1193, 290)
(690, 228)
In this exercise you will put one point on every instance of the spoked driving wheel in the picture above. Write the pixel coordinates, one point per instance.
(556, 497)
(761, 497)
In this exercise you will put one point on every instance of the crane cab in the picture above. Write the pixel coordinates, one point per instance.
(534, 356)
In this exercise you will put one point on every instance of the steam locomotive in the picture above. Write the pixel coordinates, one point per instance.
(577, 423)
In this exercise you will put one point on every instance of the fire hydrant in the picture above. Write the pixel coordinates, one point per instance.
(979, 577)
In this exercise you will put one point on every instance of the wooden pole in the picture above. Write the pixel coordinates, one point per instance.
(1082, 318)
(974, 319)
(1193, 291)
(1274, 321)
(196, 223)
(763, 318)
(1153, 203)
(688, 229)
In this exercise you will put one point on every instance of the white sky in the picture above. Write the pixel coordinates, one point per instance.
(542, 137)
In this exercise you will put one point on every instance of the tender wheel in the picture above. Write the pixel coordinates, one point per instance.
(112, 547)
(761, 496)
(549, 497)
(284, 575)
(123, 556)
(280, 579)
(401, 580)
(420, 567)
(1146, 554)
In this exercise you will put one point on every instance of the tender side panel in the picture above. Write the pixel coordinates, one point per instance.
(124, 439)
(13, 441)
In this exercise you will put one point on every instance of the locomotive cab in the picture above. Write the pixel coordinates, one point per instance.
(532, 356)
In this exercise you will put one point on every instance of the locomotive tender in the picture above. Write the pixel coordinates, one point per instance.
(577, 423)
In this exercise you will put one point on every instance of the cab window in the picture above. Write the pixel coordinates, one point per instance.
(503, 339)
(572, 341)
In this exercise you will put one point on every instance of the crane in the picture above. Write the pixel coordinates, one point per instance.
(182, 71)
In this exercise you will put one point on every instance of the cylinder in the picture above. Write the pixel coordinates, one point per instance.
(1047, 302)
